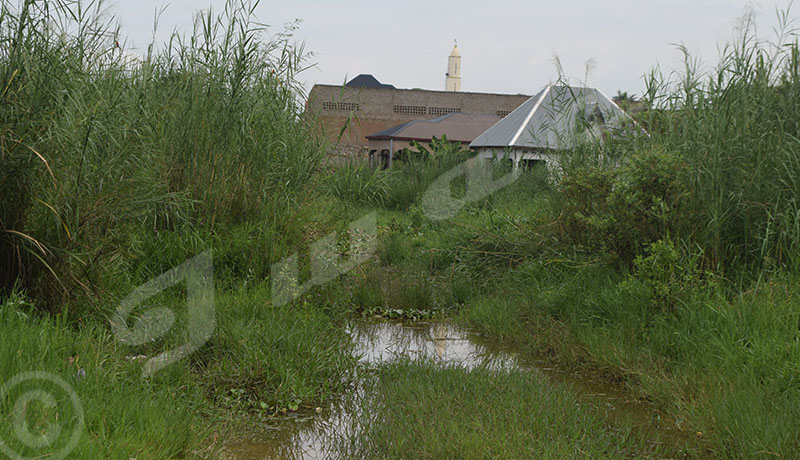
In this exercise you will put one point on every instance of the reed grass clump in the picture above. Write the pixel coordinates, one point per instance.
(399, 187)
(721, 176)
(100, 148)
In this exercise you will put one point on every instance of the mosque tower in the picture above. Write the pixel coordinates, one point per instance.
(453, 80)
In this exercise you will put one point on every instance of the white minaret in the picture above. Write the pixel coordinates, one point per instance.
(453, 80)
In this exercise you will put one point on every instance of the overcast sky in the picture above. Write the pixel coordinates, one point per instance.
(506, 46)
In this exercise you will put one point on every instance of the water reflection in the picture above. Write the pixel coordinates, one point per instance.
(306, 437)
(313, 437)
(378, 343)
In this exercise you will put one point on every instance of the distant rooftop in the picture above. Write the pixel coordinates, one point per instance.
(459, 127)
(366, 80)
(549, 119)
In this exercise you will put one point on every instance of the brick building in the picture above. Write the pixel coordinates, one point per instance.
(458, 127)
(367, 106)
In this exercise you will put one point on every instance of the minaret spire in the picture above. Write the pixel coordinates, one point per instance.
(453, 80)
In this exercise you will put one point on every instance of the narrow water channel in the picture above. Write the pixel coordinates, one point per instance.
(313, 436)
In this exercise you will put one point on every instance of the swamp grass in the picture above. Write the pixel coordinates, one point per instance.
(708, 338)
(201, 139)
(723, 367)
(668, 259)
(722, 361)
(115, 169)
(261, 361)
(424, 409)
(719, 356)
(124, 416)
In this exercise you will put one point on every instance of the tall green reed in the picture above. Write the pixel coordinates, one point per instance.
(734, 132)
(738, 128)
(99, 148)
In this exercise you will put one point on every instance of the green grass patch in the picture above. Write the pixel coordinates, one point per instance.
(125, 416)
(722, 365)
(260, 361)
(423, 410)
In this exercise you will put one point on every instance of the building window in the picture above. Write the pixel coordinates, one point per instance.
(439, 111)
(340, 106)
(502, 113)
(410, 109)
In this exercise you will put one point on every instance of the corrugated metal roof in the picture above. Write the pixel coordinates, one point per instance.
(551, 119)
(458, 127)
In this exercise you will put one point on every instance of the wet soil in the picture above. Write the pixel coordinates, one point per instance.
(313, 434)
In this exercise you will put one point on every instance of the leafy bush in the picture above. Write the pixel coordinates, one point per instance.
(623, 209)
(668, 273)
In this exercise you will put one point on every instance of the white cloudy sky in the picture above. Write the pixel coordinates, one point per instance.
(507, 46)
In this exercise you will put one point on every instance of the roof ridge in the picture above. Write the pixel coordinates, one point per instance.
(530, 115)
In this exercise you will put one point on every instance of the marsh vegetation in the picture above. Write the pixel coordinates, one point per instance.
(664, 263)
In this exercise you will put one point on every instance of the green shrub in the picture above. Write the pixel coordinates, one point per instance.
(670, 274)
(623, 209)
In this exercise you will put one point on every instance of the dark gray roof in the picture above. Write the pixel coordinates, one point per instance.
(551, 119)
(391, 132)
(457, 126)
(367, 81)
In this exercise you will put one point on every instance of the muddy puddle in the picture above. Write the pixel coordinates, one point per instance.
(314, 435)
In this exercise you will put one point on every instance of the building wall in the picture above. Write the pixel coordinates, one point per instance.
(374, 110)
(519, 155)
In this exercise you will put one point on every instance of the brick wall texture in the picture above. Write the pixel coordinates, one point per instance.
(373, 110)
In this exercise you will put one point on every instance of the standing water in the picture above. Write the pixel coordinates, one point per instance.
(314, 437)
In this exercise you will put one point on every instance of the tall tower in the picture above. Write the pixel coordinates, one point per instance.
(453, 80)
